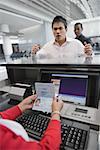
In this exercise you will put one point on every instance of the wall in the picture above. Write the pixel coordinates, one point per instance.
(32, 35)
(91, 27)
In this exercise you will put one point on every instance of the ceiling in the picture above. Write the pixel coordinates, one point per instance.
(89, 7)
(18, 21)
(94, 7)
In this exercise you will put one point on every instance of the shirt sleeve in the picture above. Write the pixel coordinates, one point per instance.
(45, 51)
(52, 136)
(11, 113)
(80, 48)
(50, 141)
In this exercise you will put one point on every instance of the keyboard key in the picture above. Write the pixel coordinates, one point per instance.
(73, 137)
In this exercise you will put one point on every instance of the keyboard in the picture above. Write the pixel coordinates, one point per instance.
(75, 135)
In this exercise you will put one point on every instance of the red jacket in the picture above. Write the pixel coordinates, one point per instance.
(10, 141)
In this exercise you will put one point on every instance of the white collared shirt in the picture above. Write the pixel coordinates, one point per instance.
(71, 48)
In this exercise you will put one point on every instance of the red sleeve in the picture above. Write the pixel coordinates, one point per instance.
(52, 136)
(11, 113)
(50, 141)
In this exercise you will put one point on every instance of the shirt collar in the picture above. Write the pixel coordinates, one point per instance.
(66, 42)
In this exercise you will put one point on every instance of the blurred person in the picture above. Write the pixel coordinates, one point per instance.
(78, 28)
(62, 45)
(14, 137)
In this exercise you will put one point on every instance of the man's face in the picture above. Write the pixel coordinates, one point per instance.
(59, 31)
(78, 30)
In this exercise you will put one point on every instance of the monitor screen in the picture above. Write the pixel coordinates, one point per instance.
(72, 88)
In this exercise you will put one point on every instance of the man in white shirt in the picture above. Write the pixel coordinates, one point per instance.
(62, 46)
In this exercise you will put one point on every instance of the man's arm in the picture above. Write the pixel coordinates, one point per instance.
(89, 41)
(11, 113)
(52, 135)
(84, 50)
(88, 49)
(14, 112)
(51, 139)
(35, 48)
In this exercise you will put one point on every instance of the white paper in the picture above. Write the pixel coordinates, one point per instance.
(44, 90)
(17, 91)
(45, 93)
(43, 104)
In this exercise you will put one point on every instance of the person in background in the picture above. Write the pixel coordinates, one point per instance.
(78, 28)
(62, 46)
(14, 137)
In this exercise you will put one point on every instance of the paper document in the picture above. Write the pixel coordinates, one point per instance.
(44, 90)
(43, 104)
(45, 93)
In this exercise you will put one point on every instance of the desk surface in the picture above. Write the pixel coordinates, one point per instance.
(95, 68)
(61, 60)
(93, 137)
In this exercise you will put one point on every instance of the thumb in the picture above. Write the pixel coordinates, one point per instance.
(85, 43)
(32, 97)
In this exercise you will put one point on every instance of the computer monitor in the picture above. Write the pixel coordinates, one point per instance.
(72, 88)
(91, 83)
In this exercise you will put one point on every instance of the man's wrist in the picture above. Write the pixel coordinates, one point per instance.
(21, 108)
(55, 115)
(55, 112)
